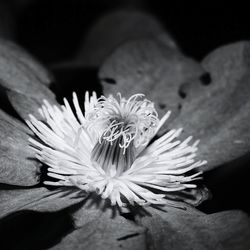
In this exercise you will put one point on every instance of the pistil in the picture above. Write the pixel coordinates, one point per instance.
(112, 157)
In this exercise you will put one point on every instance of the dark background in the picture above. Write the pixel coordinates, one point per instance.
(53, 30)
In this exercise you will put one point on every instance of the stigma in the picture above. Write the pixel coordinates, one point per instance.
(109, 149)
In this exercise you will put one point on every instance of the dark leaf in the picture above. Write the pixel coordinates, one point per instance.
(17, 163)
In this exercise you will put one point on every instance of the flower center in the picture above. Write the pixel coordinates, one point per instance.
(110, 155)
(123, 127)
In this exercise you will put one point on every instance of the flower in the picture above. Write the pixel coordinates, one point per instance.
(24, 84)
(107, 149)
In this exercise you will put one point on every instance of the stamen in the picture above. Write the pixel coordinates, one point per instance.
(134, 119)
(110, 155)
(130, 124)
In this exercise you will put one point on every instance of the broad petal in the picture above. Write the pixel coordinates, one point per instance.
(99, 230)
(115, 28)
(151, 67)
(216, 111)
(12, 53)
(22, 76)
(190, 229)
(25, 105)
(17, 163)
(37, 199)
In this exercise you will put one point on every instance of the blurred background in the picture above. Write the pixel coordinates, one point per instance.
(54, 30)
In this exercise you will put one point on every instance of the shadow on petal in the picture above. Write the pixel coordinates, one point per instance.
(34, 230)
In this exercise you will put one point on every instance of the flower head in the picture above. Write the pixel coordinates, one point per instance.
(109, 149)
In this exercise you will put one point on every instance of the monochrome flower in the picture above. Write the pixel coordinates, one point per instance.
(107, 149)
